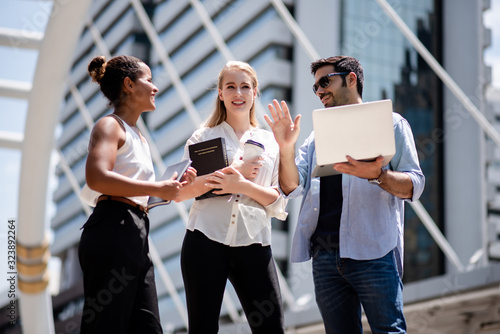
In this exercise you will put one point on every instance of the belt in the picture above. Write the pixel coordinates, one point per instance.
(123, 200)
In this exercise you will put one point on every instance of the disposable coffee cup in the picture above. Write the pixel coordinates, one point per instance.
(252, 149)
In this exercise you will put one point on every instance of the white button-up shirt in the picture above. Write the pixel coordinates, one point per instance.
(238, 220)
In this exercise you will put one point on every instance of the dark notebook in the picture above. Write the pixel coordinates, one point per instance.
(207, 157)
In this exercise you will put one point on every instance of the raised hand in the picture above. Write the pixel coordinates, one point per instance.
(285, 130)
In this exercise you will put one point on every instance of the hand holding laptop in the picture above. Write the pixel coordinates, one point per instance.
(362, 169)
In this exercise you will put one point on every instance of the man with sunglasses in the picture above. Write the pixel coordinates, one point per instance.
(350, 224)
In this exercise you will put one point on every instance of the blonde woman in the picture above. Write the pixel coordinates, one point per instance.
(229, 237)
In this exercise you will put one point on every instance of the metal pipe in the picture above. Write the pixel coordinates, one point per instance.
(295, 29)
(167, 280)
(212, 29)
(12, 140)
(15, 89)
(167, 63)
(72, 181)
(99, 41)
(452, 86)
(24, 39)
(80, 102)
(441, 73)
(436, 234)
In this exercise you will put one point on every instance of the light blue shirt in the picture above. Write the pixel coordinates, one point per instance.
(372, 219)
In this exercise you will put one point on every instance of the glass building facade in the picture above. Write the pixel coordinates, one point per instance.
(394, 70)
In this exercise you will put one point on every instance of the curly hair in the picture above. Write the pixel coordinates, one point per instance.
(110, 74)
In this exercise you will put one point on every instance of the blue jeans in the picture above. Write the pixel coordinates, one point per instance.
(342, 285)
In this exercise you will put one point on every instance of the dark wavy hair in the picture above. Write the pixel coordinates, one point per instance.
(342, 64)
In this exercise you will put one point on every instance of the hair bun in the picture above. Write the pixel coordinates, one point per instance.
(97, 68)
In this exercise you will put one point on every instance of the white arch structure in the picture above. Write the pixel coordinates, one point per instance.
(62, 34)
(37, 144)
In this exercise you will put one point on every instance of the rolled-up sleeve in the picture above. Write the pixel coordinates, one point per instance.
(302, 163)
(406, 158)
(277, 208)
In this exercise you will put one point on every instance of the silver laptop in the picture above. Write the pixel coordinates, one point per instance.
(363, 131)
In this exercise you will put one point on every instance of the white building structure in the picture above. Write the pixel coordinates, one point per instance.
(436, 80)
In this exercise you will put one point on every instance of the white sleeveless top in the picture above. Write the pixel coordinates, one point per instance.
(133, 160)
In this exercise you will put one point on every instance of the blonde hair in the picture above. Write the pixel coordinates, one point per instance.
(219, 114)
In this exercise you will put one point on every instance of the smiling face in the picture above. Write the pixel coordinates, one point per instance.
(237, 93)
(143, 90)
(336, 94)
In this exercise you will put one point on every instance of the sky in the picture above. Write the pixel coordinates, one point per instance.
(18, 64)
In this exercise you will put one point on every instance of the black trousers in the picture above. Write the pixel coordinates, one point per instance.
(206, 266)
(118, 275)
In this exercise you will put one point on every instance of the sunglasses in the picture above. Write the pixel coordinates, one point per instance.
(324, 82)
